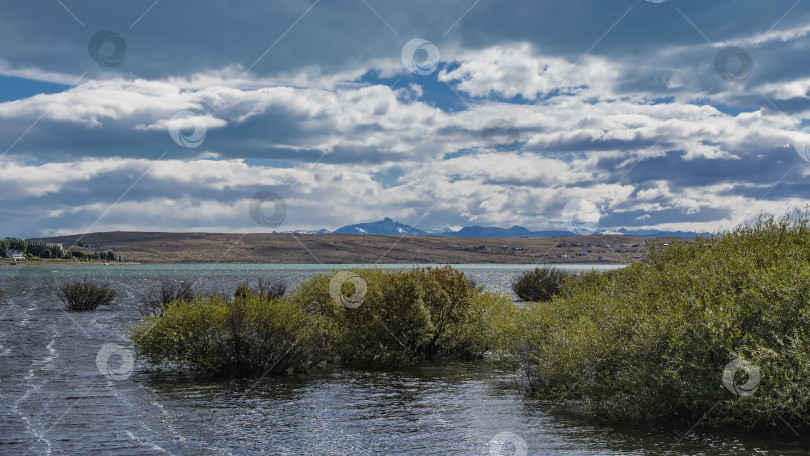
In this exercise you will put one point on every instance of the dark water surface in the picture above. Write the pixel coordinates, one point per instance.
(55, 399)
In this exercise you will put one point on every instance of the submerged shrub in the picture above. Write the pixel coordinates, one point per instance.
(402, 317)
(405, 316)
(243, 336)
(272, 290)
(85, 295)
(154, 301)
(665, 339)
(539, 285)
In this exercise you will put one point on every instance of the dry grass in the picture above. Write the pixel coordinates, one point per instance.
(281, 248)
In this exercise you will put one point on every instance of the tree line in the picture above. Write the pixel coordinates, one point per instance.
(44, 250)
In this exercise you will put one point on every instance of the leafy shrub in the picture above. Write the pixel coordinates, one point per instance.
(85, 295)
(652, 340)
(154, 301)
(406, 316)
(485, 325)
(539, 285)
(243, 336)
(392, 327)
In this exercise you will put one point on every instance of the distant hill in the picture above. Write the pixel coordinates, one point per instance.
(388, 227)
(496, 232)
(385, 227)
(657, 233)
(321, 231)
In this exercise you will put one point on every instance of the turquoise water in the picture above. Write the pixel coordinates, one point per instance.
(224, 277)
(58, 399)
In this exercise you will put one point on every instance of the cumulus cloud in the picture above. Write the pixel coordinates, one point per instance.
(643, 128)
(517, 69)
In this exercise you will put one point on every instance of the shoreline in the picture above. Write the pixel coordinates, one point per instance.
(61, 264)
(73, 264)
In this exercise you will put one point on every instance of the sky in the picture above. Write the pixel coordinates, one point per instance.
(256, 116)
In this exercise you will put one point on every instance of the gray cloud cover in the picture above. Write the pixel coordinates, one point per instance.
(617, 103)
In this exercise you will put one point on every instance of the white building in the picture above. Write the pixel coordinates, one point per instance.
(15, 255)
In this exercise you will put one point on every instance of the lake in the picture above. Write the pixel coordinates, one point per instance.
(55, 399)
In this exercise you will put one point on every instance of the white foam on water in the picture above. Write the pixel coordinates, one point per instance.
(154, 446)
(46, 363)
(167, 424)
(165, 417)
(18, 313)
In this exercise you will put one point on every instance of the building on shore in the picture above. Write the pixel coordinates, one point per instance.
(15, 255)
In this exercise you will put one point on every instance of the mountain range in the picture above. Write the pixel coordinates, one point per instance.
(389, 227)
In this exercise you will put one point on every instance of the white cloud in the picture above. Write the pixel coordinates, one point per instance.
(517, 69)
(580, 138)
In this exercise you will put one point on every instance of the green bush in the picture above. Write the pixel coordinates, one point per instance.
(243, 336)
(539, 285)
(406, 316)
(85, 295)
(652, 340)
(403, 317)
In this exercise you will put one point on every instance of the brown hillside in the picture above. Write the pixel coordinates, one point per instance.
(363, 249)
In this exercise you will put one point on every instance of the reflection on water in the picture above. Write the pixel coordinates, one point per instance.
(54, 399)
